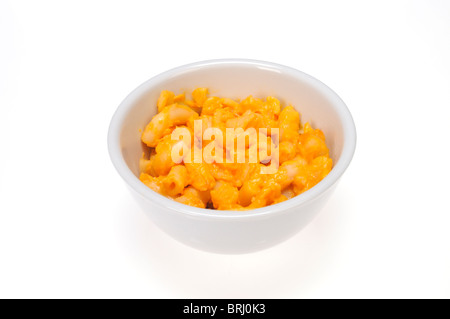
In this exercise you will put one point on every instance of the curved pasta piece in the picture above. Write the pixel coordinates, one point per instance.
(165, 98)
(200, 176)
(224, 196)
(289, 124)
(175, 182)
(174, 114)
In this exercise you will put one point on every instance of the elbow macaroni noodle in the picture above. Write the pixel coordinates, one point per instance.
(218, 153)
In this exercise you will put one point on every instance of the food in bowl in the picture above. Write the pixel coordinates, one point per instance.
(226, 231)
(221, 153)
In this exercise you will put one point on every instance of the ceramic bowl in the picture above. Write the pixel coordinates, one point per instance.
(233, 231)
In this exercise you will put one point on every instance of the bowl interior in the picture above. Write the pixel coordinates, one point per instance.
(315, 102)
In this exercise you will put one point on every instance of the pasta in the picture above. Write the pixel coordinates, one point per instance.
(220, 153)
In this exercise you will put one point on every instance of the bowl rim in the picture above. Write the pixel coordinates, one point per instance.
(348, 149)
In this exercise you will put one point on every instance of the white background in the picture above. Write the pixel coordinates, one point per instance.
(69, 228)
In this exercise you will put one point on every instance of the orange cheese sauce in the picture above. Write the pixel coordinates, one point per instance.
(303, 156)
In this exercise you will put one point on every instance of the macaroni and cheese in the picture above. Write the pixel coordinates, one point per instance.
(220, 153)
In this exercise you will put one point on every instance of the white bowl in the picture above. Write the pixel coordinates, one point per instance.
(233, 231)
